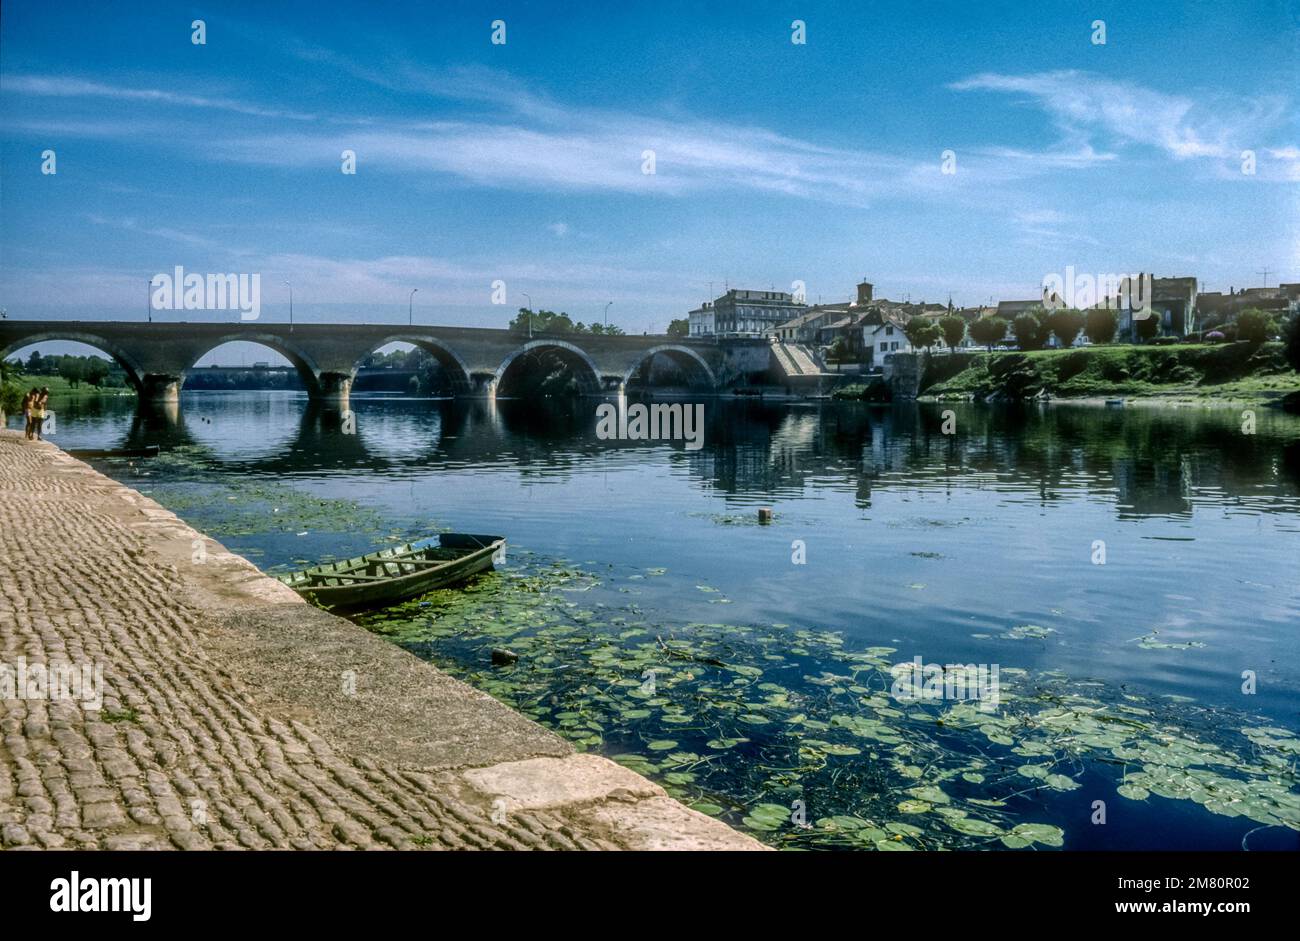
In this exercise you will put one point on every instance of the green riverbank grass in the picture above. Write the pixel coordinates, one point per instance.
(60, 388)
(1228, 371)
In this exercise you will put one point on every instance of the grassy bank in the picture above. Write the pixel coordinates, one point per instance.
(61, 388)
(1226, 371)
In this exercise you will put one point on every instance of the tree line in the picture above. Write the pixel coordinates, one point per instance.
(92, 370)
(1034, 329)
(548, 321)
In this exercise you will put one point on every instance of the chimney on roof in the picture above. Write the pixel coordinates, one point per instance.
(864, 292)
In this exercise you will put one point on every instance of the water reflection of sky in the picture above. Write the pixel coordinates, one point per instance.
(935, 544)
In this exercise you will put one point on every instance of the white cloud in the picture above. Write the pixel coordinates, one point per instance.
(1083, 104)
(61, 87)
(598, 152)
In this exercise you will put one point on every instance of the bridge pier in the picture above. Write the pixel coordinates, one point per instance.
(333, 388)
(159, 388)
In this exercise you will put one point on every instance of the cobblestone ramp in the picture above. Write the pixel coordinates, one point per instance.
(224, 723)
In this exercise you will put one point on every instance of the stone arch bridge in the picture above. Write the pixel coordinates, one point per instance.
(157, 356)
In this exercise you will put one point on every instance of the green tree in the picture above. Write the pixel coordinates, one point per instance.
(921, 333)
(1293, 342)
(679, 328)
(1065, 325)
(1099, 324)
(73, 369)
(548, 321)
(1255, 326)
(953, 329)
(988, 330)
(542, 321)
(11, 391)
(1031, 330)
(96, 371)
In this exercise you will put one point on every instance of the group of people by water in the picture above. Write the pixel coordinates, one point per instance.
(35, 405)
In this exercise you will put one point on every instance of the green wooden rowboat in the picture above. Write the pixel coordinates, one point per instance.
(149, 450)
(392, 575)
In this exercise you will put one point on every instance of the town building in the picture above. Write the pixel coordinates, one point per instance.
(744, 313)
(1214, 308)
(806, 328)
(700, 320)
(1174, 301)
(883, 336)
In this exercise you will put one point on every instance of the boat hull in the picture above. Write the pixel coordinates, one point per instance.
(408, 572)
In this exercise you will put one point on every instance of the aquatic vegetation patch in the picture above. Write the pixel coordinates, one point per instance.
(1029, 632)
(736, 519)
(792, 734)
(232, 506)
(1151, 642)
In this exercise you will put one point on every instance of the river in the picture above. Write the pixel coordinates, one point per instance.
(1131, 573)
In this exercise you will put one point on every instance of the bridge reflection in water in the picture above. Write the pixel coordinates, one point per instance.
(1144, 462)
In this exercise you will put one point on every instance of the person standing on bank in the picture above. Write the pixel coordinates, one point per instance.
(38, 411)
(29, 401)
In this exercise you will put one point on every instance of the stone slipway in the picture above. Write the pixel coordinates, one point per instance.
(229, 718)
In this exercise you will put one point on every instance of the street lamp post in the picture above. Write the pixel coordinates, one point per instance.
(290, 286)
(410, 307)
(607, 303)
(148, 300)
(530, 314)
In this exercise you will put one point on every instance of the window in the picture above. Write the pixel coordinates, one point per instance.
(883, 346)
(889, 331)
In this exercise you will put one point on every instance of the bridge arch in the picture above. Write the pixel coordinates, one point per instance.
(682, 356)
(134, 374)
(307, 369)
(456, 369)
(583, 368)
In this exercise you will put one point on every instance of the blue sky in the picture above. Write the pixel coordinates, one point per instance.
(522, 162)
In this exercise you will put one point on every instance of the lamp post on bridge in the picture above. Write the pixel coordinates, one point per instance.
(290, 306)
(607, 303)
(410, 307)
(148, 300)
(530, 314)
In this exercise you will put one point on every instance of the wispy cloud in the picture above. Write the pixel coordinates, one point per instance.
(506, 135)
(1083, 105)
(63, 87)
(503, 134)
(165, 233)
(1051, 228)
(598, 152)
